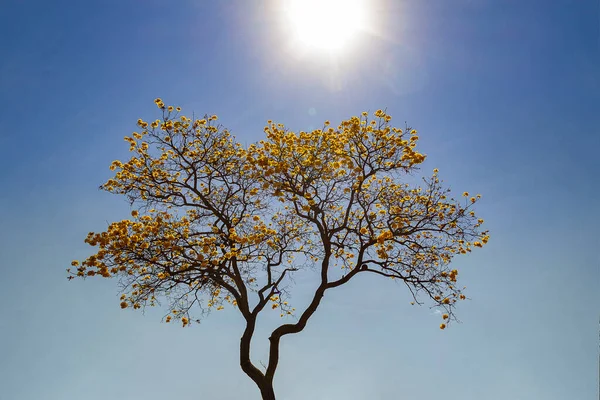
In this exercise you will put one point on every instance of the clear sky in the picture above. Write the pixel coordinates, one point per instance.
(505, 95)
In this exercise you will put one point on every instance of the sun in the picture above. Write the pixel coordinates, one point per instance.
(326, 24)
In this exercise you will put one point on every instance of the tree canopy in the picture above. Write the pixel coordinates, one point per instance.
(217, 224)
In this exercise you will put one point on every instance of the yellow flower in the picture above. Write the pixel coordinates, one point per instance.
(168, 319)
(466, 194)
(442, 326)
(184, 321)
(75, 263)
(364, 230)
(157, 100)
(123, 304)
(445, 316)
(274, 306)
(134, 213)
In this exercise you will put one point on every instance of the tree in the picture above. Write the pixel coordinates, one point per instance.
(217, 223)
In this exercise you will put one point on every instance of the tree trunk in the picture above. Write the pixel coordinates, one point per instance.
(264, 383)
(266, 390)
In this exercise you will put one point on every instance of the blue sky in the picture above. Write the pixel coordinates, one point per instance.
(505, 95)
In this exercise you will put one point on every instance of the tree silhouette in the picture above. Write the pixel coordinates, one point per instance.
(216, 223)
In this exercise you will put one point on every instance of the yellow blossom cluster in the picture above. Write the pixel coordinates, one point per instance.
(214, 217)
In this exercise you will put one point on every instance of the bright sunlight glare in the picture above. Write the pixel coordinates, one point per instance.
(326, 24)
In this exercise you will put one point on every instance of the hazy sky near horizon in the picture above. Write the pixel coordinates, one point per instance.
(505, 95)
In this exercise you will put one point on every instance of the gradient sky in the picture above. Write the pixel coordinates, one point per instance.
(505, 95)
